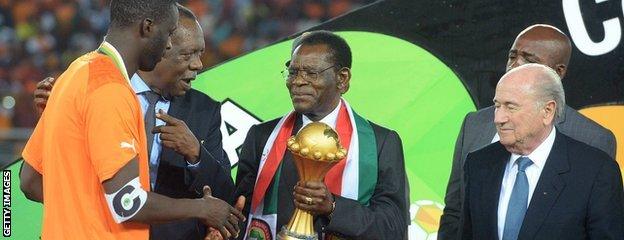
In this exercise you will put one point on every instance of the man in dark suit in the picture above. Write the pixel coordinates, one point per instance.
(317, 75)
(186, 151)
(542, 44)
(536, 182)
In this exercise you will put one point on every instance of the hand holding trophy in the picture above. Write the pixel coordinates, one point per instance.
(316, 149)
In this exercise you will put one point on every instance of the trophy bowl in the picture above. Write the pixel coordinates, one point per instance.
(315, 149)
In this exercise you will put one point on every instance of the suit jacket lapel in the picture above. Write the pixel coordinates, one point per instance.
(549, 186)
(492, 174)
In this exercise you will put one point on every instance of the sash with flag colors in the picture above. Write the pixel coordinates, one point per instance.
(354, 177)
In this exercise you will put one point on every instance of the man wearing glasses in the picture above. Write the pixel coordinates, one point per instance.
(363, 196)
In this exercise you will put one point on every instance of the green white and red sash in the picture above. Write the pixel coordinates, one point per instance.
(354, 177)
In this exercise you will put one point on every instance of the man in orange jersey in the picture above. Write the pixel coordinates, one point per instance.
(87, 157)
(190, 133)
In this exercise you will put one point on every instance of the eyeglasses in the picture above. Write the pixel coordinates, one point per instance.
(308, 75)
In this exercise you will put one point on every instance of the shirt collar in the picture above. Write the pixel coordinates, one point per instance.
(110, 50)
(138, 85)
(330, 119)
(540, 154)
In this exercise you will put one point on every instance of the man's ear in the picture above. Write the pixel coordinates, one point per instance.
(147, 28)
(344, 78)
(550, 109)
(561, 70)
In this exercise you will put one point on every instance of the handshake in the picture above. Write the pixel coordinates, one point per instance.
(221, 218)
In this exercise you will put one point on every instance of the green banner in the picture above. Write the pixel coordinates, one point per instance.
(395, 84)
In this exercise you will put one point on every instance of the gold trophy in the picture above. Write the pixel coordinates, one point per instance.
(316, 148)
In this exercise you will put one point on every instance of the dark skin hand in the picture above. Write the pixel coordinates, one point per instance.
(177, 136)
(42, 93)
(232, 221)
(322, 199)
(212, 211)
(213, 234)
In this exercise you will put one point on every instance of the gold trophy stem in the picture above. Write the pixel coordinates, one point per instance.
(299, 227)
(315, 149)
(301, 224)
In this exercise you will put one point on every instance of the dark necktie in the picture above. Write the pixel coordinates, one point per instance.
(518, 201)
(150, 123)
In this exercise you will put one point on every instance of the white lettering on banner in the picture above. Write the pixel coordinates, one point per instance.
(235, 123)
(578, 31)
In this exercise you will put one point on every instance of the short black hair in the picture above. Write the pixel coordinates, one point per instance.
(340, 50)
(124, 13)
(186, 12)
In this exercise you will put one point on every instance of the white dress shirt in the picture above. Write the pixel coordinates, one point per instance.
(140, 88)
(533, 172)
(330, 119)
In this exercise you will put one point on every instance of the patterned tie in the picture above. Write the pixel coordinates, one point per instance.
(150, 123)
(518, 202)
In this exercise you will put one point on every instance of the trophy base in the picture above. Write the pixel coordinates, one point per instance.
(284, 234)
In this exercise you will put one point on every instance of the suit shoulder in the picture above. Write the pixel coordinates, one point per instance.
(584, 151)
(487, 151)
(484, 114)
(475, 122)
(382, 132)
(576, 120)
(490, 148)
(379, 129)
(590, 160)
(194, 95)
(265, 128)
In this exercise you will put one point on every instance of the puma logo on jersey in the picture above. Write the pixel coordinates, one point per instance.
(128, 145)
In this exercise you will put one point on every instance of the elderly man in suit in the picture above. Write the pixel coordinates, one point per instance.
(185, 149)
(536, 182)
(363, 196)
(542, 44)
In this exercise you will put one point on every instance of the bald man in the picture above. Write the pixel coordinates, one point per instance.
(536, 182)
(543, 44)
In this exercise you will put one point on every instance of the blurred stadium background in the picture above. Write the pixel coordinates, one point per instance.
(39, 38)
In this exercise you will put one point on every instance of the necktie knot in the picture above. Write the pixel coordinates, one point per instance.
(152, 97)
(523, 163)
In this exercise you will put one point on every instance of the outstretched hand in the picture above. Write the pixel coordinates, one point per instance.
(220, 216)
(214, 234)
